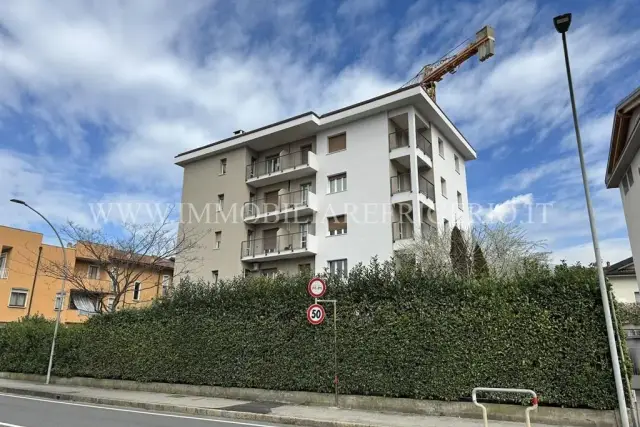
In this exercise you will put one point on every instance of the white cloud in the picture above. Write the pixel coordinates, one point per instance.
(508, 209)
(612, 250)
(355, 8)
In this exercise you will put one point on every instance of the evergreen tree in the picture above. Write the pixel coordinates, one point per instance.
(459, 259)
(480, 266)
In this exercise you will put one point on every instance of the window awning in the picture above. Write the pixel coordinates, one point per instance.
(85, 305)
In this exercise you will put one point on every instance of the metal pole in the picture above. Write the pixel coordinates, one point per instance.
(634, 413)
(622, 404)
(64, 276)
(335, 347)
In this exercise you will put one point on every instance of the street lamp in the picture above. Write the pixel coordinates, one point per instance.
(64, 276)
(562, 23)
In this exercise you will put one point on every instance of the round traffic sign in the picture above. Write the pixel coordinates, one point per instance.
(316, 287)
(315, 314)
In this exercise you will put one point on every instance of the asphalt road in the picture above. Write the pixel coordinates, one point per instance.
(23, 411)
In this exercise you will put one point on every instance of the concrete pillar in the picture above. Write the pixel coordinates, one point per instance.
(413, 164)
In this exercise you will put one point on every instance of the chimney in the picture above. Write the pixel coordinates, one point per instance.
(608, 264)
(238, 132)
(69, 245)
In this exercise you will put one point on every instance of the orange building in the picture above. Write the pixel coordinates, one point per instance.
(29, 288)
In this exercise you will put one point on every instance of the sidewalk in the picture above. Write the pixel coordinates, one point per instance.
(240, 409)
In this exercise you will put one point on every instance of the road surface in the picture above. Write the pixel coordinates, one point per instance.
(23, 411)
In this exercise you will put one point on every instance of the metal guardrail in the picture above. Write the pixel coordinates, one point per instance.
(427, 188)
(398, 139)
(400, 183)
(424, 145)
(277, 164)
(275, 245)
(534, 401)
(402, 230)
(285, 201)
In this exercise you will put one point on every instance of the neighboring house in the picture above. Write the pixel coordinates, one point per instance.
(624, 284)
(623, 167)
(28, 289)
(326, 191)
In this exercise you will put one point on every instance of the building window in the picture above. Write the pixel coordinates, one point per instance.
(273, 163)
(630, 177)
(166, 284)
(337, 225)
(214, 274)
(338, 267)
(441, 148)
(443, 187)
(223, 166)
(270, 272)
(3, 265)
(446, 227)
(304, 269)
(218, 243)
(136, 291)
(459, 200)
(94, 272)
(59, 302)
(18, 298)
(456, 161)
(220, 202)
(338, 183)
(110, 303)
(337, 143)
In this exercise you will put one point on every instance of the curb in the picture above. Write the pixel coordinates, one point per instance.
(191, 410)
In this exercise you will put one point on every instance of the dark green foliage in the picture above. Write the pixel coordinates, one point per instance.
(459, 259)
(480, 266)
(628, 314)
(401, 333)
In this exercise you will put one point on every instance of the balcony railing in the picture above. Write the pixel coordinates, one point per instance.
(427, 188)
(428, 229)
(398, 139)
(4, 273)
(286, 201)
(424, 145)
(277, 164)
(400, 183)
(402, 231)
(275, 245)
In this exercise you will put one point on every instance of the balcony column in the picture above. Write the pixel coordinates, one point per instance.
(413, 166)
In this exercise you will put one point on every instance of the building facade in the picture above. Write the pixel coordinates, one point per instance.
(27, 286)
(317, 192)
(624, 283)
(623, 166)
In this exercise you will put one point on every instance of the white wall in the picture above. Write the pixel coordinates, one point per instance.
(366, 162)
(624, 288)
(447, 208)
(631, 203)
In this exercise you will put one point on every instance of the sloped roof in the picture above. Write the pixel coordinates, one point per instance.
(622, 268)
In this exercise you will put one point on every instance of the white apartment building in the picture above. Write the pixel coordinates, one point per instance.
(623, 166)
(326, 191)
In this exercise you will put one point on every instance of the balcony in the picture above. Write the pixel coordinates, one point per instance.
(4, 273)
(282, 246)
(294, 204)
(400, 150)
(427, 193)
(402, 233)
(428, 230)
(281, 168)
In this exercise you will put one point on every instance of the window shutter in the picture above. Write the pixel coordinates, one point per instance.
(337, 143)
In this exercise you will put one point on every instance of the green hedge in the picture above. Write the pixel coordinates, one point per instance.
(400, 334)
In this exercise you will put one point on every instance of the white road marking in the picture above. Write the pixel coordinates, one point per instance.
(133, 411)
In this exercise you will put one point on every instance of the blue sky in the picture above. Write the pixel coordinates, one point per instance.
(97, 97)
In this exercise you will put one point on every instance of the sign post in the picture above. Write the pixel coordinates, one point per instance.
(316, 314)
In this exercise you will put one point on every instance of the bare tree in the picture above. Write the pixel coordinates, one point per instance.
(505, 247)
(135, 253)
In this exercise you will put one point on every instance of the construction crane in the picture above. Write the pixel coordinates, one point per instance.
(430, 74)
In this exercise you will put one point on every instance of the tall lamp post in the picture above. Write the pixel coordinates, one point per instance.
(562, 24)
(64, 276)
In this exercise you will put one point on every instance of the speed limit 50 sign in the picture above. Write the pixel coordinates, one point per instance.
(315, 314)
